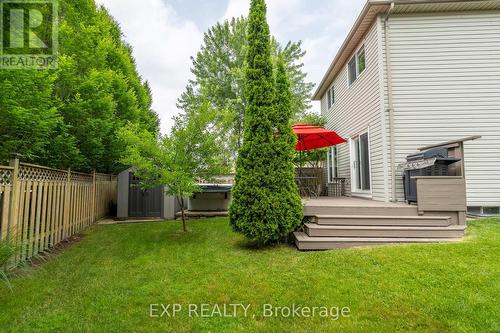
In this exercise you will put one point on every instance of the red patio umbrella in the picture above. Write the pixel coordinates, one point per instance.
(314, 137)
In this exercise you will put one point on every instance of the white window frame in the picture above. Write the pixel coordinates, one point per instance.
(355, 57)
(361, 49)
(354, 188)
(349, 83)
(330, 97)
(332, 164)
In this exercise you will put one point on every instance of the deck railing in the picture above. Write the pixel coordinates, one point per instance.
(40, 206)
(312, 183)
(337, 187)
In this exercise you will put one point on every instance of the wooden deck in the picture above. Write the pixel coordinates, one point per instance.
(350, 202)
(355, 206)
(346, 221)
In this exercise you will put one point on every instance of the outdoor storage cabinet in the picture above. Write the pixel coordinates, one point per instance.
(134, 202)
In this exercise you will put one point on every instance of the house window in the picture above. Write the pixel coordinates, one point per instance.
(360, 161)
(351, 67)
(356, 65)
(361, 64)
(331, 97)
(332, 164)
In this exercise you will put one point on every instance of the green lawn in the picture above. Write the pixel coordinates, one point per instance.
(107, 281)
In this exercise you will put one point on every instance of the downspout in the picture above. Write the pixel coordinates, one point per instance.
(390, 104)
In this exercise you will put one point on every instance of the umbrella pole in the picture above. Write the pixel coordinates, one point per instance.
(300, 163)
(301, 180)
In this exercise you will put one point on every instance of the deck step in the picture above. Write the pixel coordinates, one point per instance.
(382, 220)
(316, 230)
(305, 242)
(403, 210)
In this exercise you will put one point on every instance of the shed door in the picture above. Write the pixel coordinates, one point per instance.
(143, 203)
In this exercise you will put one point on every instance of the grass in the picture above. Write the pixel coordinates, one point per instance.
(7, 250)
(107, 281)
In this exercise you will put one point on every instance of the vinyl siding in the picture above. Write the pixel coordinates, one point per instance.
(445, 72)
(357, 109)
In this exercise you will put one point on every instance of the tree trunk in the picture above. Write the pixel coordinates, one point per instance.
(180, 200)
(183, 216)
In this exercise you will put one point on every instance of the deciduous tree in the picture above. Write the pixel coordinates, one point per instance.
(69, 117)
(178, 161)
(219, 74)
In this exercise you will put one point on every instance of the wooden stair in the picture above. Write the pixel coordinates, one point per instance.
(305, 242)
(363, 223)
(382, 220)
(316, 230)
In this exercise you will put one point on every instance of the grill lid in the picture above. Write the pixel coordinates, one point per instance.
(436, 152)
(426, 162)
(418, 164)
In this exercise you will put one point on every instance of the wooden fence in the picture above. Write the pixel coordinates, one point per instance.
(40, 206)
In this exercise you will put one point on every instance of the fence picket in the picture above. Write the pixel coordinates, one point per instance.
(5, 211)
(71, 210)
(38, 215)
(57, 231)
(14, 202)
(49, 216)
(19, 238)
(43, 218)
(53, 217)
(79, 203)
(27, 204)
(32, 222)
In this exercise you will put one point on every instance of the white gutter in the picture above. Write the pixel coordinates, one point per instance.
(390, 103)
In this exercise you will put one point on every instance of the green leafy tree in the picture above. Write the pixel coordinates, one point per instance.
(29, 119)
(219, 75)
(70, 116)
(258, 209)
(301, 90)
(178, 161)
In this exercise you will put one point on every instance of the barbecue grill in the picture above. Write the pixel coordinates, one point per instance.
(432, 162)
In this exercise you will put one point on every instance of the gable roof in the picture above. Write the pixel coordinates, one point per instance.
(370, 12)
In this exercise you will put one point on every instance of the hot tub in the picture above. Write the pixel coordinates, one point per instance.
(211, 198)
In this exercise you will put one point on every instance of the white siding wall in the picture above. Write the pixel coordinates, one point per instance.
(446, 85)
(358, 108)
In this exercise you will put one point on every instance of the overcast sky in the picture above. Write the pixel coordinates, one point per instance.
(165, 33)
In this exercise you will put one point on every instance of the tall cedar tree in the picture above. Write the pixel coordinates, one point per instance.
(257, 209)
(289, 204)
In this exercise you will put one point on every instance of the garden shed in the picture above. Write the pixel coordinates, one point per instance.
(136, 203)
